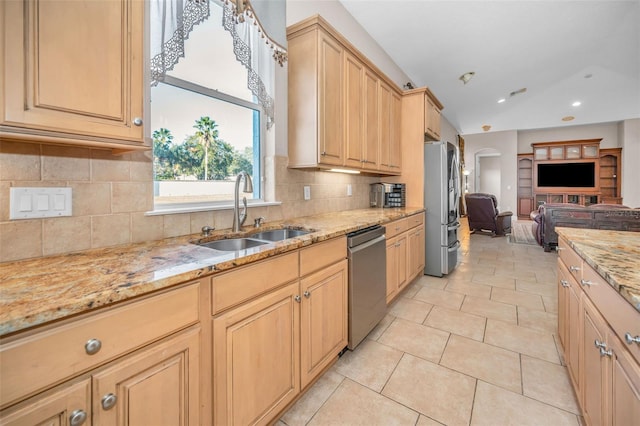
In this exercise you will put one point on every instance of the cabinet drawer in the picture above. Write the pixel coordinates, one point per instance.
(415, 220)
(320, 255)
(38, 361)
(245, 283)
(621, 316)
(396, 227)
(572, 261)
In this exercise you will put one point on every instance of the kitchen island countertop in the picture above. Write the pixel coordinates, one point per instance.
(37, 291)
(614, 255)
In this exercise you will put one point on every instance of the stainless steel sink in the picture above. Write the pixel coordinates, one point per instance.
(233, 244)
(279, 234)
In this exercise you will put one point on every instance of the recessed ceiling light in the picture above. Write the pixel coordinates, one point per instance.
(576, 103)
(486, 127)
(501, 100)
(568, 118)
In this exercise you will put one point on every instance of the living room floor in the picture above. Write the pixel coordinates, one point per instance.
(478, 346)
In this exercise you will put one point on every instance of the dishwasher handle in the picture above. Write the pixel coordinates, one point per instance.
(366, 245)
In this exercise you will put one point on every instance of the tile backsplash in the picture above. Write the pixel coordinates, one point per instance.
(112, 193)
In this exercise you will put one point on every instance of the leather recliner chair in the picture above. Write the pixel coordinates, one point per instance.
(483, 214)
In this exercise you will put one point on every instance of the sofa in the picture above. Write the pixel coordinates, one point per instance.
(596, 216)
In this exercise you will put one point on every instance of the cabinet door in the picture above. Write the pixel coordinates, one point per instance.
(55, 409)
(625, 387)
(416, 252)
(392, 268)
(402, 259)
(432, 119)
(330, 101)
(594, 365)
(354, 111)
(371, 122)
(256, 353)
(563, 307)
(156, 386)
(323, 319)
(573, 336)
(74, 68)
(385, 125)
(395, 140)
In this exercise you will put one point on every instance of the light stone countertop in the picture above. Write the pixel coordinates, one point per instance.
(37, 291)
(615, 255)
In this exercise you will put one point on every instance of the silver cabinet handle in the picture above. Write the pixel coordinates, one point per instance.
(587, 283)
(574, 268)
(564, 283)
(558, 248)
(109, 401)
(307, 294)
(297, 298)
(77, 418)
(631, 339)
(92, 346)
(137, 121)
(604, 352)
(599, 344)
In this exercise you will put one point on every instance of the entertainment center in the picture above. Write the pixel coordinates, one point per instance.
(576, 172)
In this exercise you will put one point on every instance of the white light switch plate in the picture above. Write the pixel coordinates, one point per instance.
(29, 203)
(307, 192)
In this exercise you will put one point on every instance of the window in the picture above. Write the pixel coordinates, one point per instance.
(206, 125)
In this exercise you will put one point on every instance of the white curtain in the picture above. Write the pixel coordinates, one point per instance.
(171, 21)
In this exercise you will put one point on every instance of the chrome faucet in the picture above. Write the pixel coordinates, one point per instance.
(239, 218)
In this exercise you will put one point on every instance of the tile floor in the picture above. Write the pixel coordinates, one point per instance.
(477, 347)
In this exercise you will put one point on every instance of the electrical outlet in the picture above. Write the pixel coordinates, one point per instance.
(349, 190)
(307, 192)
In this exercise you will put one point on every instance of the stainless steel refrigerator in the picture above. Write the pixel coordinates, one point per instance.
(441, 201)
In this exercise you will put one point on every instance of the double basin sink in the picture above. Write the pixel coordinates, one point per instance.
(254, 240)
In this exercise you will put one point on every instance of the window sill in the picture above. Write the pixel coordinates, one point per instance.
(194, 208)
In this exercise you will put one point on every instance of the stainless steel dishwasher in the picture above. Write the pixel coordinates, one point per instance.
(367, 281)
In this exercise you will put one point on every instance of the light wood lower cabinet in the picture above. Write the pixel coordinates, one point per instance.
(396, 265)
(405, 253)
(592, 321)
(266, 350)
(256, 352)
(416, 252)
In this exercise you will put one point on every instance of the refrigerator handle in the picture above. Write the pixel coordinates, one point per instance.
(454, 247)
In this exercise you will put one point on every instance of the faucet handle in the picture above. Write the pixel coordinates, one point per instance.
(206, 230)
(258, 221)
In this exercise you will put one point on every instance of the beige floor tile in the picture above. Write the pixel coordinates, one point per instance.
(519, 298)
(550, 290)
(548, 275)
(440, 297)
(410, 309)
(418, 340)
(302, 411)
(518, 273)
(550, 304)
(370, 364)
(485, 362)
(548, 383)
(426, 421)
(431, 282)
(381, 327)
(354, 404)
(490, 309)
(496, 406)
(457, 322)
(495, 280)
(538, 344)
(539, 320)
(470, 288)
(437, 392)
(411, 289)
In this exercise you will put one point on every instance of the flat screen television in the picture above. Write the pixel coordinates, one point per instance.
(568, 175)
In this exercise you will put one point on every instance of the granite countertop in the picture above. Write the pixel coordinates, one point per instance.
(37, 291)
(615, 255)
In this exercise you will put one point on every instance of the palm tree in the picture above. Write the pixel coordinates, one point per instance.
(206, 132)
(163, 154)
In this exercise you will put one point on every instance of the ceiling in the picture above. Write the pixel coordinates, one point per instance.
(560, 51)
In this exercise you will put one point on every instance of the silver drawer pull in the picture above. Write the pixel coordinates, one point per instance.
(587, 283)
(297, 298)
(77, 418)
(137, 121)
(630, 339)
(307, 294)
(604, 352)
(109, 401)
(92, 346)
(564, 283)
(574, 268)
(599, 344)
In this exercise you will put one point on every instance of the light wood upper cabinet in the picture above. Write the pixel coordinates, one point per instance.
(73, 72)
(343, 112)
(432, 118)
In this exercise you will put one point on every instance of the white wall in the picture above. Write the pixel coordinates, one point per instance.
(490, 175)
(506, 144)
(607, 131)
(630, 137)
